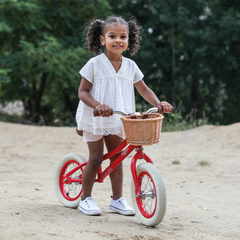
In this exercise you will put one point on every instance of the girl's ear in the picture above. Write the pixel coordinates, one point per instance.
(102, 40)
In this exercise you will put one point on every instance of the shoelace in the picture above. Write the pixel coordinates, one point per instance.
(86, 201)
(123, 204)
(87, 204)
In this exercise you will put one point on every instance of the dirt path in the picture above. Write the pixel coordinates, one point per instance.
(203, 189)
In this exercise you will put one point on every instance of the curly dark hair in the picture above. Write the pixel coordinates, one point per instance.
(98, 27)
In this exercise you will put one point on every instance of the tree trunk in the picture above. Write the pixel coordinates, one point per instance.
(33, 104)
(173, 64)
(194, 91)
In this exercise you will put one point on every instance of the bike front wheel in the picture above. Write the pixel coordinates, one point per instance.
(69, 193)
(150, 205)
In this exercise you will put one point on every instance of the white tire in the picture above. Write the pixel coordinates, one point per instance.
(69, 194)
(150, 207)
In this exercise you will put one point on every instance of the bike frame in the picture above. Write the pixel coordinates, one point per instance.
(123, 153)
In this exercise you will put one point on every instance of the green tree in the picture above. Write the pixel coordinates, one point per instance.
(189, 53)
(172, 48)
(41, 44)
(224, 61)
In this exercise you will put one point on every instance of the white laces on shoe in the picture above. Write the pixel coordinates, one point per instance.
(88, 206)
(121, 206)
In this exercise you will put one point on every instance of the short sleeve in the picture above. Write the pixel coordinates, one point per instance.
(138, 75)
(88, 71)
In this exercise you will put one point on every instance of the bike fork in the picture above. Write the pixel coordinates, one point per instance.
(139, 155)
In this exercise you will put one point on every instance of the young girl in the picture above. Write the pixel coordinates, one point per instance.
(107, 83)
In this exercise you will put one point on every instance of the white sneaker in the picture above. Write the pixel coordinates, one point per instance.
(88, 207)
(121, 206)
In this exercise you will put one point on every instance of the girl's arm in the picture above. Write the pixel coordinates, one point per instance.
(83, 94)
(147, 93)
(150, 96)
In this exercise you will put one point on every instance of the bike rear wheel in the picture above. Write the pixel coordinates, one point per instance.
(150, 205)
(69, 193)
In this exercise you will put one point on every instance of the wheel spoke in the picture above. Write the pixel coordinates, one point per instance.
(145, 185)
(74, 189)
(146, 205)
(78, 185)
(147, 182)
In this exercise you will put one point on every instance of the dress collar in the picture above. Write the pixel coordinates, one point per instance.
(109, 65)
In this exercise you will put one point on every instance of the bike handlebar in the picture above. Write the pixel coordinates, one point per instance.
(151, 110)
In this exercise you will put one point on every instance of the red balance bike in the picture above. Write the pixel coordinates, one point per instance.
(147, 188)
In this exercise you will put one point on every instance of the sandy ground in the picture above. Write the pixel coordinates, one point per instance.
(203, 201)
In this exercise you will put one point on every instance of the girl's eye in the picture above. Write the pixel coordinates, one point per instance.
(112, 36)
(123, 37)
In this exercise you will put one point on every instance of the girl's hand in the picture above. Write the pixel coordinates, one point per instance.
(165, 107)
(104, 110)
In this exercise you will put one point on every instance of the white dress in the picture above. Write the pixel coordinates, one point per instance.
(115, 89)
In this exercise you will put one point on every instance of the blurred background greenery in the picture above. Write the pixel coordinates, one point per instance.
(189, 55)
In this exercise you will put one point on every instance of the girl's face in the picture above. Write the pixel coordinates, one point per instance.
(115, 38)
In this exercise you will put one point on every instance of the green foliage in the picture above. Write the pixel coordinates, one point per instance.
(189, 53)
(42, 50)
(4, 76)
(176, 162)
(189, 56)
(177, 122)
(10, 118)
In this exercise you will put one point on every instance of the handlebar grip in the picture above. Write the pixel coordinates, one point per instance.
(96, 113)
(160, 109)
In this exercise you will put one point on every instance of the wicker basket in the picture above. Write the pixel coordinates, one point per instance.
(143, 131)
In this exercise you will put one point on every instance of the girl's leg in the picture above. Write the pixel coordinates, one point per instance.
(118, 203)
(90, 170)
(116, 176)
